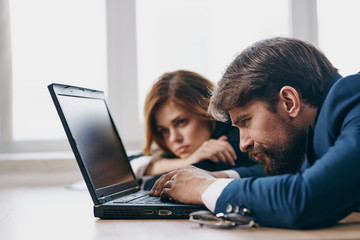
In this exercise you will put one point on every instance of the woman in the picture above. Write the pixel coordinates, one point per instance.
(178, 123)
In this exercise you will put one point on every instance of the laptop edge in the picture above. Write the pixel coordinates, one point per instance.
(103, 198)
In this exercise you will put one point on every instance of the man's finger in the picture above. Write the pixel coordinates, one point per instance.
(168, 184)
(159, 184)
(155, 187)
(165, 194)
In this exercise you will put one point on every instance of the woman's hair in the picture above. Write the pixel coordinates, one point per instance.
(261, 70)
(186, 89)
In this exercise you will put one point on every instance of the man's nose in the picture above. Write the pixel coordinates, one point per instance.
(246, 143)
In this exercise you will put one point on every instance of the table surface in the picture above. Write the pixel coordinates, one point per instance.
(58, 212)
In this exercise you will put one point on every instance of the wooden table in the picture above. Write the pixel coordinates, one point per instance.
(58, 212)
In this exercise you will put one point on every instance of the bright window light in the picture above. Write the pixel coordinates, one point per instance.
(339, 37)
(201, 35)
(61, 41)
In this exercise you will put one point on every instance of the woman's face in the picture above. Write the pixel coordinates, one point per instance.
(182, 131)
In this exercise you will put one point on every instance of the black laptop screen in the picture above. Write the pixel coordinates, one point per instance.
(96, 139)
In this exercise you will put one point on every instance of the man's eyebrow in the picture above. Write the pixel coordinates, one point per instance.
(237, 119)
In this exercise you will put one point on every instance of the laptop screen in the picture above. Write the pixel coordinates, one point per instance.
(96, 140)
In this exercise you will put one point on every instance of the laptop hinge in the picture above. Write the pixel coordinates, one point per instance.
(113, 196)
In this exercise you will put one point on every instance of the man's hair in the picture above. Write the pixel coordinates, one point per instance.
(261, 70)
(186, 89)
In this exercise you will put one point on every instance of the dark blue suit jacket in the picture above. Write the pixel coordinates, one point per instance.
(328, 187)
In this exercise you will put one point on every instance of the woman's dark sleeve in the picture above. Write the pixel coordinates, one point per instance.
(233, 136)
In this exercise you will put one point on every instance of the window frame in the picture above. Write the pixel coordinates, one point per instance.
(121, 70)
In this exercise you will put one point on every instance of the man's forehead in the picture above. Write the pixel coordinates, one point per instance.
(250, 106)
(248, 109)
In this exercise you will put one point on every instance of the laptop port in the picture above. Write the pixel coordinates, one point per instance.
(178, 212)
(148, 211)
(164, 212)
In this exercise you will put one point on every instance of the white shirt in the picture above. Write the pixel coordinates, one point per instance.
(213, 192)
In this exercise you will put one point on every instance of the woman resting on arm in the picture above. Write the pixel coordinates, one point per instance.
(181, 130)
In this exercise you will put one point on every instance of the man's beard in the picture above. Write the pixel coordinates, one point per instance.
(286, 158)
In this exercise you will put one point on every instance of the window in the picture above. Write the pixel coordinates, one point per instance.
(53, 41)
(338, 34)
(123, 46)
(201, 35)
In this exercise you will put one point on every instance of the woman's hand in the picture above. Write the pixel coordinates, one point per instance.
(216, 150)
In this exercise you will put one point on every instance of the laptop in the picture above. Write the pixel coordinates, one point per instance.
(103, 161)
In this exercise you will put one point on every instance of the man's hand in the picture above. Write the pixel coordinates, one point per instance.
(184, 185)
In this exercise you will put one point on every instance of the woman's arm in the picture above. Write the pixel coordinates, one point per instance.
(216, 150)
(164, 165)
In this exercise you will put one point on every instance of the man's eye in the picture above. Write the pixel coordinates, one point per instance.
(245, 122)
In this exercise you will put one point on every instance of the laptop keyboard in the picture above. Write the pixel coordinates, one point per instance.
(142, 197)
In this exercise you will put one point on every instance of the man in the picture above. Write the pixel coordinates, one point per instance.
(301, 121)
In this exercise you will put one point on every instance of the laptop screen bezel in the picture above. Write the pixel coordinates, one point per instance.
(108, 192)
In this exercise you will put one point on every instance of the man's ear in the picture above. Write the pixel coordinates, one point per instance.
(290, 101)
